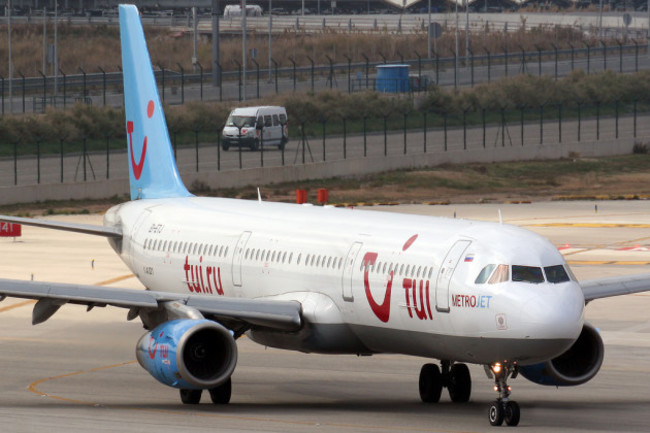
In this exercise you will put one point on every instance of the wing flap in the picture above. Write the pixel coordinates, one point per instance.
(615, 286)
(280, 315)
(89, 229)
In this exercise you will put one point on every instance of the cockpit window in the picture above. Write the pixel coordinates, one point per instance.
(527, 274)
(484, 274)
(500, 275)
(556, 274)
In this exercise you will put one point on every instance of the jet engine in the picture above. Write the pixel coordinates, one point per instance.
(188, 354)
(575, 366)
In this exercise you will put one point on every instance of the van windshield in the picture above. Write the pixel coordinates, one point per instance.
(240, 121)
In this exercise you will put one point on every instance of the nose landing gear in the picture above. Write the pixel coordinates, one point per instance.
(503, 409)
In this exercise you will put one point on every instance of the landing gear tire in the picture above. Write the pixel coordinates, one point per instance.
(496, 413)
(460, 383)
(512, 413)
(430, 383)
(221, 394)
(191, 396)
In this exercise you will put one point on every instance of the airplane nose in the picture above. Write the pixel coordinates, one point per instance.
(556, 313)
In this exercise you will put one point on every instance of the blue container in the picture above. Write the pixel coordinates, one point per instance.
(392, 78)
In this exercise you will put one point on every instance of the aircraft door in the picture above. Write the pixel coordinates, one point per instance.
(446, 271)
(348, 271)
(238, 257)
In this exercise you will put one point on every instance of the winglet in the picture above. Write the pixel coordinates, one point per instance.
(152, 166)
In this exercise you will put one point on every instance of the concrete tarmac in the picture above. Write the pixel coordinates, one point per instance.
(77, 372)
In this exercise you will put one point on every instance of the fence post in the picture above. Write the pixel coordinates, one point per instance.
(521, 122)
(2, 93)
(108, 157)
(597, 120)
(385, 134)
(324, 122)
(455, 70)
(471, 63)
(437, 69)
(365, 138)
(220, 81)
(345, 138)
(588, 57)
(602, 43)
(367, 69)
(239, 80)
(444, 121)
(484, 126)
(219, 148)
(555, 49)
(424, 129)
(201, 79)
(38, 161)
(541, 123)
(15, 163)
(489, 65)
(103, 85)
(196, 148)
(636, 56)
(162, 70)
(275, 67)
(182, 83)
(419, 66)
(293, 63)
(539, 60)
(616, 106)
(505, 58)
(257, 77)
(572, 55)
(579, 118)
(634, 108)
(261, 131)
(23, 81)
(503, 126)
(349, 72)
(61, 156)
(44, 90)
(239, 145)
(84, 155)
(559, 121)
(465, 129)
(620, 56)
(405, 114)
(84, 83)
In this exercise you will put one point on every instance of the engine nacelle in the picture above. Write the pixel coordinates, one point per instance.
(575, 366)
(188, 354)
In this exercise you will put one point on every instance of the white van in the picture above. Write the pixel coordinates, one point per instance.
(253, 126)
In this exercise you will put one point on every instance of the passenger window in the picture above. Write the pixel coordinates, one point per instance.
(284, 257)
(259, 122)
(527, 274)
(307, 260)
(276, 120)
(329, 261)
(268, 121)
(484, 274)
(273, 257)
(500, 275)
(283, 118)
(225, 253)
(556, 274)
(290, 257)
(430, 272)
(298, 259)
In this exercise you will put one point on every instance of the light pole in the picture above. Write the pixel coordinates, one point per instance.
(429, 33)
(243, 50)
(270, 39)
(11, 66)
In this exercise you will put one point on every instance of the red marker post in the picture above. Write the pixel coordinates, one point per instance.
(8, 230)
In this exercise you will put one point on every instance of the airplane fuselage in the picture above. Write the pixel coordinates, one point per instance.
(368, 282)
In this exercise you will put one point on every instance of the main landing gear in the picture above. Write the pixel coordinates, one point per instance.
(454, 377)
(503, 409)
(218, 395)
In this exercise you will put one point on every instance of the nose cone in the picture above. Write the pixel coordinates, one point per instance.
(555, 313)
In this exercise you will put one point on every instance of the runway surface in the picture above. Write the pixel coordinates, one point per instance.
(77, 372)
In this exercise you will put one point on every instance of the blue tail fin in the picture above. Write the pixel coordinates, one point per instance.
(152, 166)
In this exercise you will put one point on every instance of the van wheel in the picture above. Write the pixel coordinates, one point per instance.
(225, 146)
(255, 145)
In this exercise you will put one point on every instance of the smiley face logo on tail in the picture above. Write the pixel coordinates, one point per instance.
(137, 166)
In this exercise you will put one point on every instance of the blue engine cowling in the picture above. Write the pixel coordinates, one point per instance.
(188, 354)
(576, 366)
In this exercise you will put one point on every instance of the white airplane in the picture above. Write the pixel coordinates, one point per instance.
(324, 280)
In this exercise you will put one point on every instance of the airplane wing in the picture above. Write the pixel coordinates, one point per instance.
(109, 232)
(280, 315)
(615, 286)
